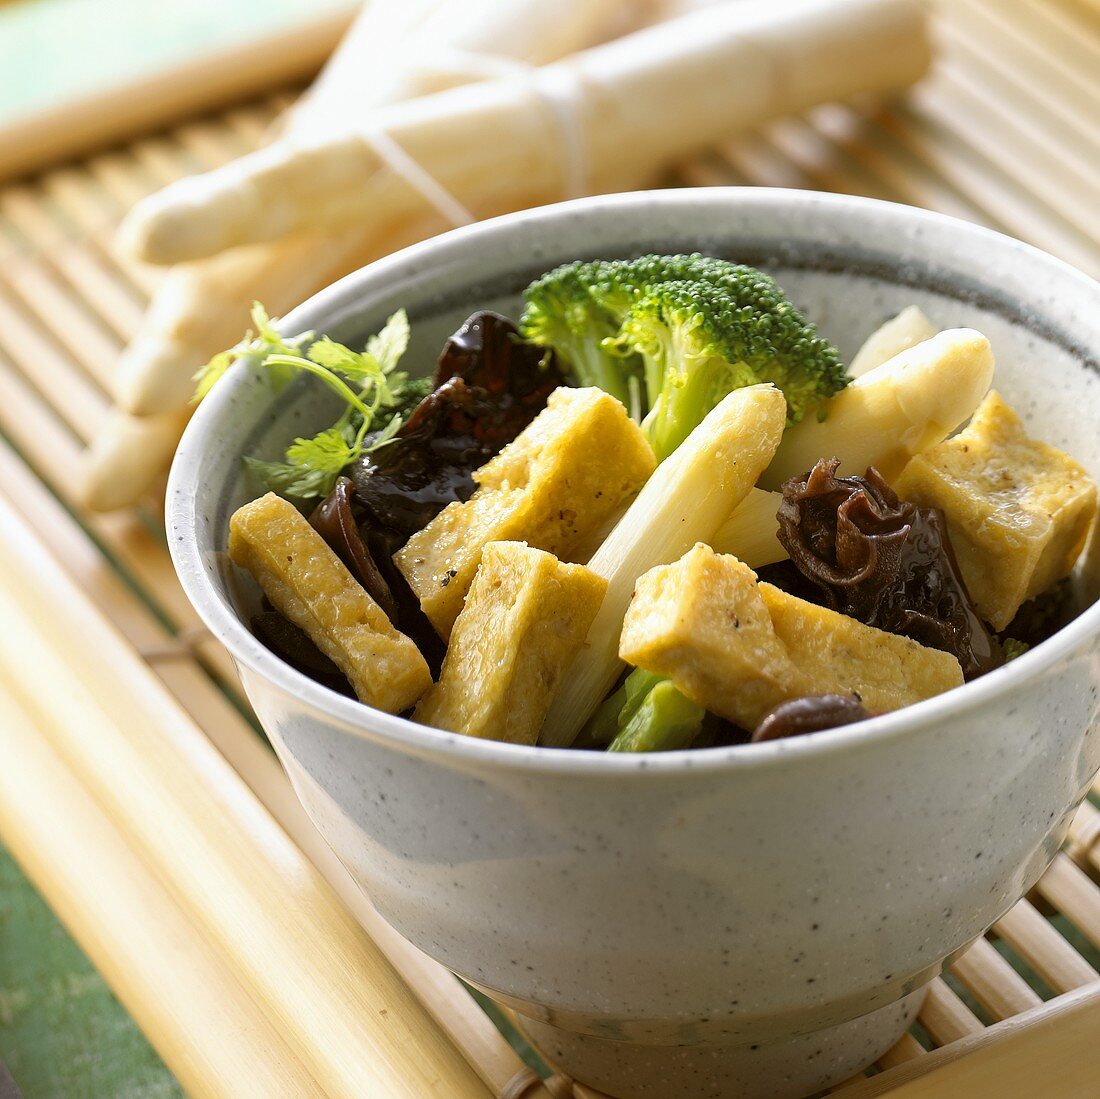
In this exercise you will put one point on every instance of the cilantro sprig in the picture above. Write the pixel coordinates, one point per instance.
(376, 394)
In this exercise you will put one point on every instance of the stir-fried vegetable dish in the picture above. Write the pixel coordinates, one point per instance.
(655, 512)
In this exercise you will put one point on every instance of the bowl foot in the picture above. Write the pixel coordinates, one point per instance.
(787, 1068)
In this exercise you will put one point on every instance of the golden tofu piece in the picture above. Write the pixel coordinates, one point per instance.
(740, 648)
(524, 621)
(554, 487)
(309, 585)
(1018, 511)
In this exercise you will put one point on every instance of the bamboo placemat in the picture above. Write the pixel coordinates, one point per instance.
(1004, 132)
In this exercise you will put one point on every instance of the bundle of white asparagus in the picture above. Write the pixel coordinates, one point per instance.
(537, 124)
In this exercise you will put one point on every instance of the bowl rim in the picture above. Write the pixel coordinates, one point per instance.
(357, 719)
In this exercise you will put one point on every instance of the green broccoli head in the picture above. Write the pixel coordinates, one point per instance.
(560, 313)
(684, 333)
(702, 326)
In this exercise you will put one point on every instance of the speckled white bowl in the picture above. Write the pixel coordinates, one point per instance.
(749, 921)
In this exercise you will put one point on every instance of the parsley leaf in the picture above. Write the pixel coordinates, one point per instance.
(368, 382)
(254, 350)
(391, 343)
(311, 466)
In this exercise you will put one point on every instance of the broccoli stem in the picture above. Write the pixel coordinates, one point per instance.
(664, 720)
(594, 366)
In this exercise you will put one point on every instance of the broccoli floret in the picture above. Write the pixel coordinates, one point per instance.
(702, 326)
(560, 313)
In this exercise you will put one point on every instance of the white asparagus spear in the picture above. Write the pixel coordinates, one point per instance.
(202, 308)
(684, 502)
(640, 103)
(400, 49)
(894, 411)
(128, 457)
(907, 329)
(915, 403)
(749, 534)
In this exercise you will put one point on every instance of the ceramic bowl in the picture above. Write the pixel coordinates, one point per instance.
(754, 921)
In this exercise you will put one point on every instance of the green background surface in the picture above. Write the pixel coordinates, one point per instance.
(63, 1035)
(53, 50)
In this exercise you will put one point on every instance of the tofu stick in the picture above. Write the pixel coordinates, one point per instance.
(685, 501)
(524, 620)
(308, 584)
(553, 486)
(740, 648)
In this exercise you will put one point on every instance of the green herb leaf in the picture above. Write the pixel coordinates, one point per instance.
(386, 435)
(391, 343)
(254, 349)
(367, 381)
(355, 366)
(1014, 648)
(212, 372)
(311, 467)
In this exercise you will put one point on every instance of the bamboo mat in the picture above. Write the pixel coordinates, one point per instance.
(1006, 132)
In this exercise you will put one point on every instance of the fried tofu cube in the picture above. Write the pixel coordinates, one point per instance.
(309, 585)
(740, 648)
(1018, 511)
(554, 487)
(524, 621)
(883, 670)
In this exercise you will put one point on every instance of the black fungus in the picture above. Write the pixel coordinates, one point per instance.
(1045, 615)
(335, 523)
(809, 715)
(293, 645)
(488, 387)
(883, 561)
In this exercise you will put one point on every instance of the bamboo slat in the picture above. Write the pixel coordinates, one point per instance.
(1049, 1051)
(1084, 838)
(994, 983)
(907, 1049)
(236, 740)
(212, 1035)
(90, 274)
(945, 1017)
(238, 744)
(1026, 74)
(343, 1009)
(1071, 891)
(1040, 945)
